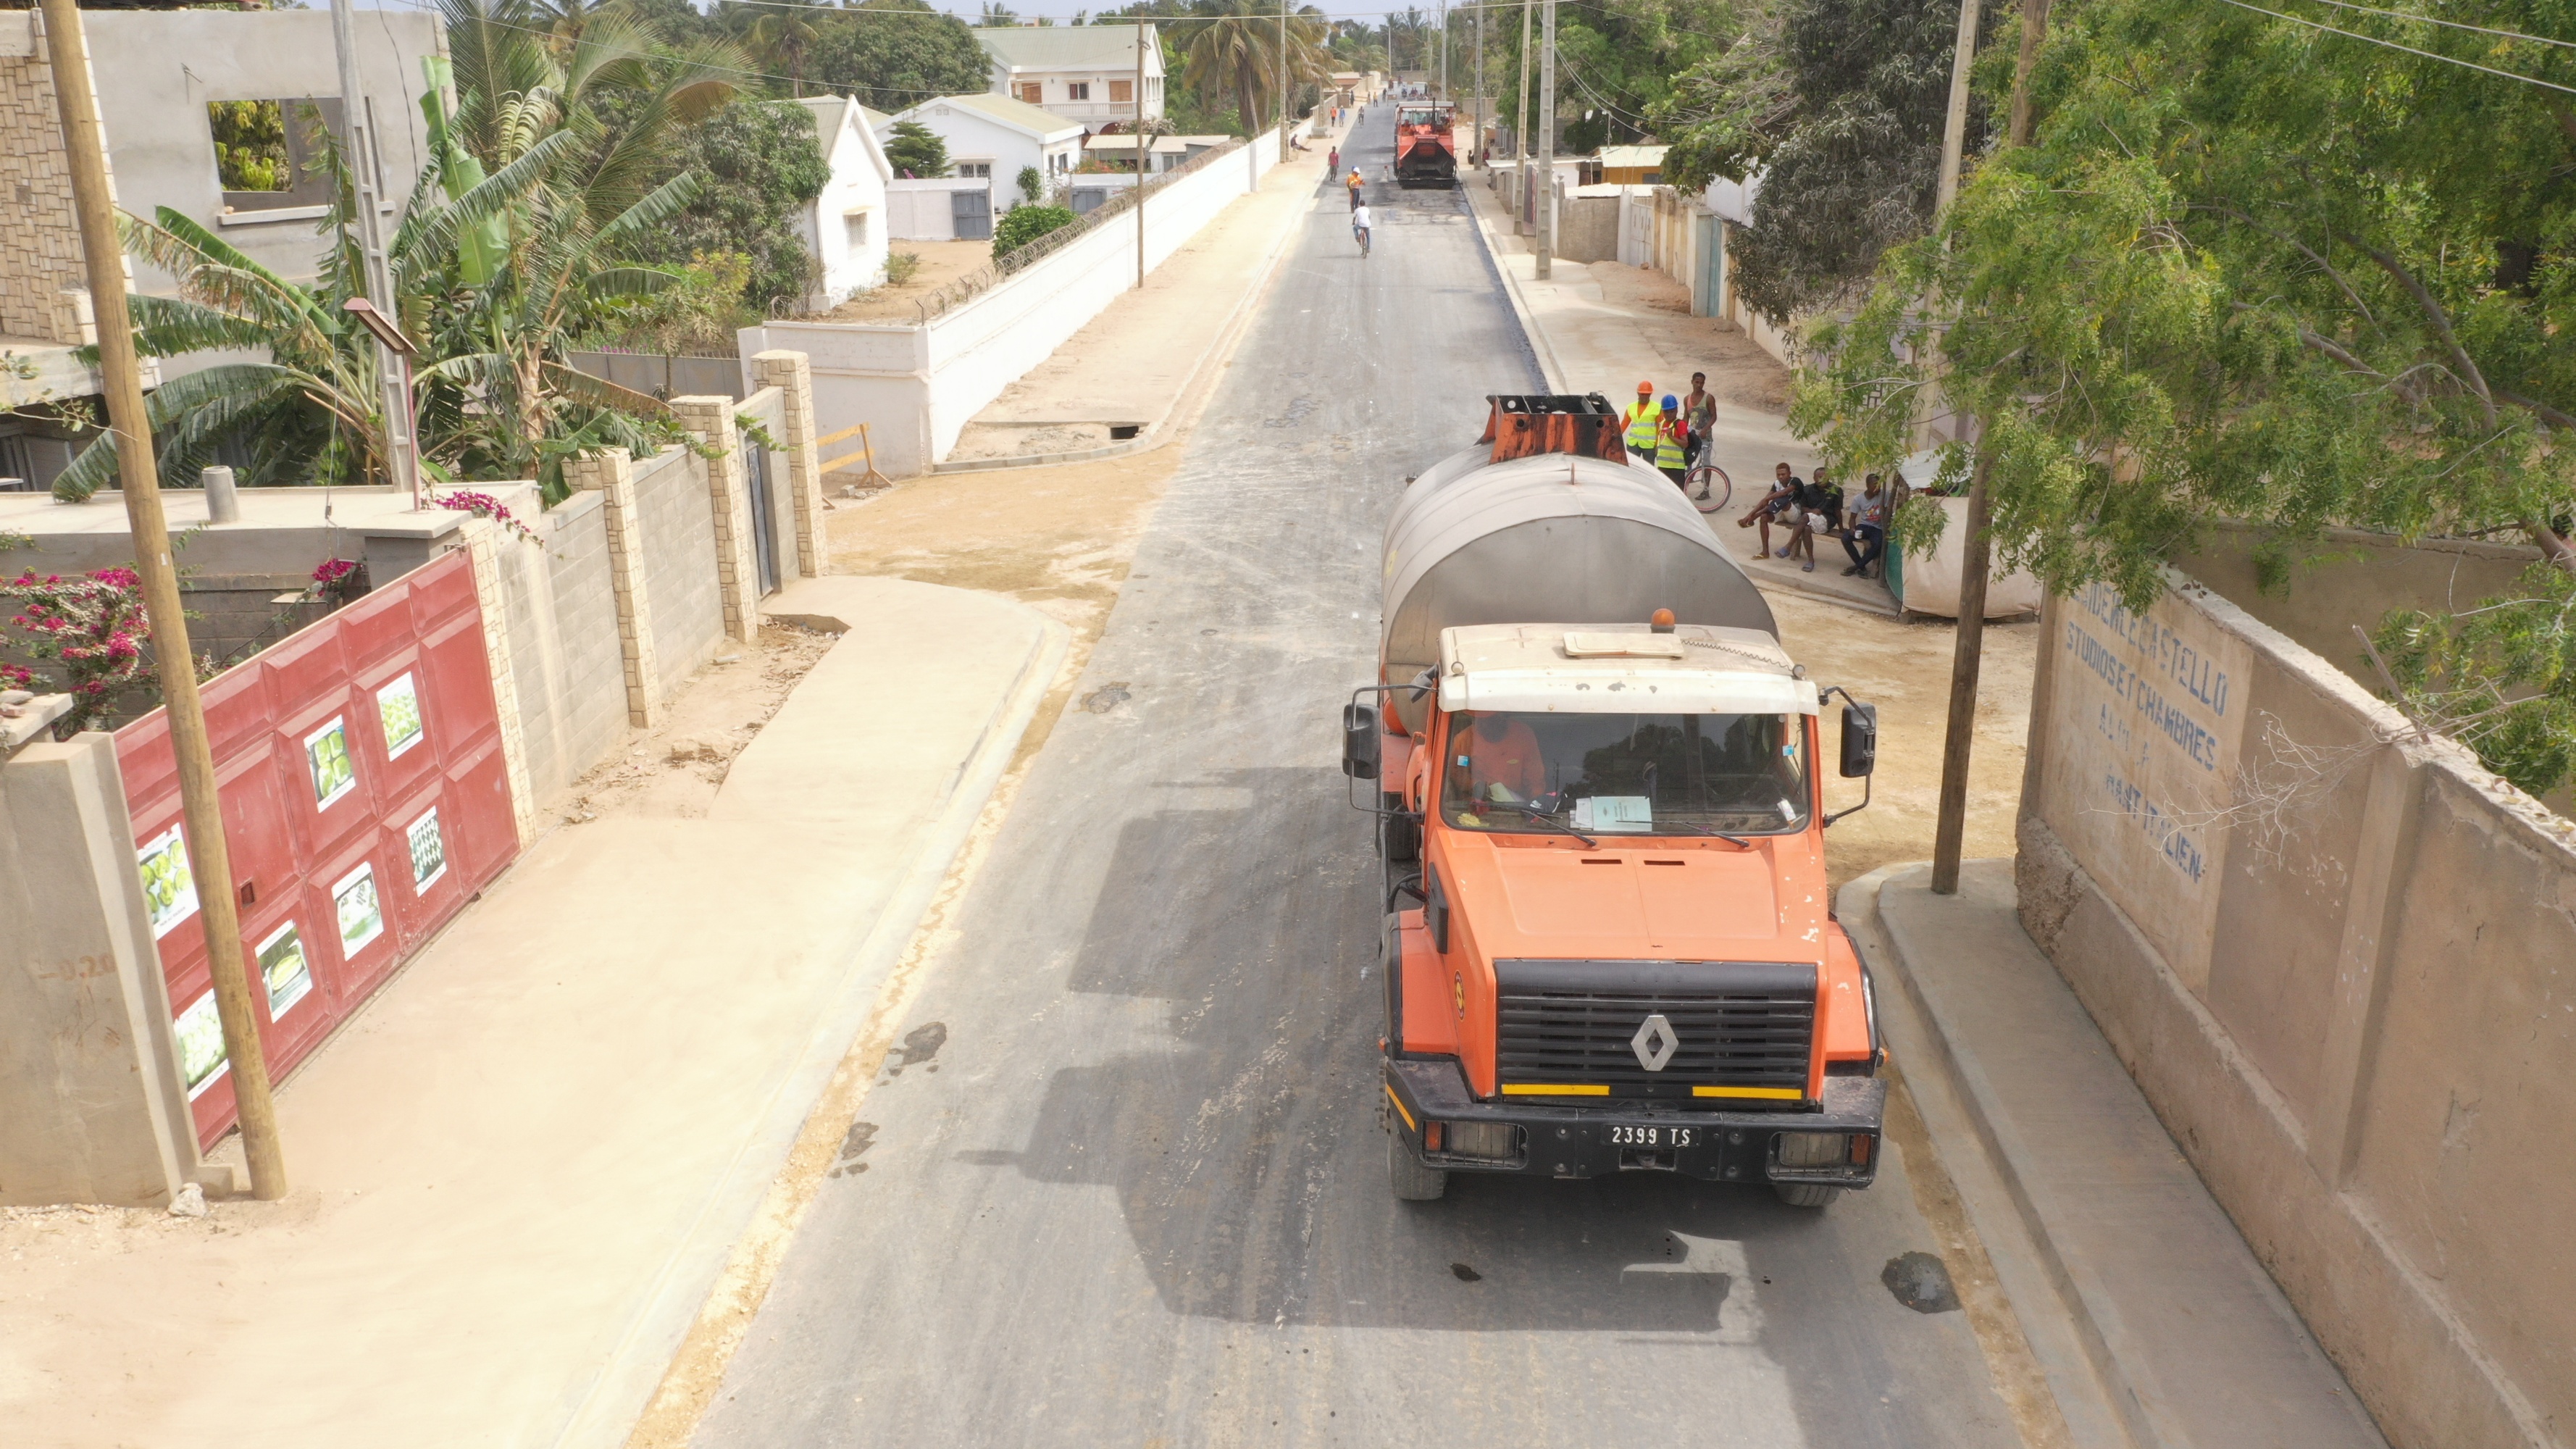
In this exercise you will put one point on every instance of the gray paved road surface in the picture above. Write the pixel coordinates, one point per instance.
(1126, 1186)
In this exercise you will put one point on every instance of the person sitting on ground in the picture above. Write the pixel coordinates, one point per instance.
(1779, 505)
(1820, 511)
(1699, 414)
(1672, 443)
(1637, 425)
(1868, 527)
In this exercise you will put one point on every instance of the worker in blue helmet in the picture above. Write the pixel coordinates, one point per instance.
(1672, 442)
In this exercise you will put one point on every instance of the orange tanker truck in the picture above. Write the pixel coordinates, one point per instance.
(1608, 943)
(1426, 144)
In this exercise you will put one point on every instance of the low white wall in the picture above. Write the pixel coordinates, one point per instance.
(918, 385)
(918, 210)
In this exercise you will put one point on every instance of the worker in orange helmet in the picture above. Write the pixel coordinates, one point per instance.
(1640, 423)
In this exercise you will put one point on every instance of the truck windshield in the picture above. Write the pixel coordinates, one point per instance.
(1626, 774)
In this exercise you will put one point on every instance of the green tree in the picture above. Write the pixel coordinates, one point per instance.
(1235, 51)
(894, 54)
(2248, 271)
(758, 167)
(917, 150)
(1840, 105)
(781, 36)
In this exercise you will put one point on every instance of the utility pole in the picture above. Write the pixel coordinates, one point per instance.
(1967, 654)
(359, 140)
(1546, 247)
(1140, 151)
(1521, 224)
(1481, 157)
(1283, 80)
(202, 811)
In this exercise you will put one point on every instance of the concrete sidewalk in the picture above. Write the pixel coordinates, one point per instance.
(1133, 364)
(517, 1172)
(2153, 1322)
(1603, 327)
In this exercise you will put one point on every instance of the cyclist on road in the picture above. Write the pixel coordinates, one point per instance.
(1360, 223)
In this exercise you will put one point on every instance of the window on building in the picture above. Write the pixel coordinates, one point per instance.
(982, 169)
(269, 154)
(855, 223)
(1122, 92)
(1077, 90)
(1033, 92)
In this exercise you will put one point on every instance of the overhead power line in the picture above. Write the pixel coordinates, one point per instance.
(2410, 50)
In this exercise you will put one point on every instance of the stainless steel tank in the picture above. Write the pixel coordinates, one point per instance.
(1553, 538)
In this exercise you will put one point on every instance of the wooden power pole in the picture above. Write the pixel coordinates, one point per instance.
(1967, 654)
(85, 148)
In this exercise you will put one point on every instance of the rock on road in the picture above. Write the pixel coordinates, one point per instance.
(1132, 1190)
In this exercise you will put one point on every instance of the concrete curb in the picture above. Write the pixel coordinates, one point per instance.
(1550, 370)
(605, 1410)
(2065, 1343)
(1154, 434)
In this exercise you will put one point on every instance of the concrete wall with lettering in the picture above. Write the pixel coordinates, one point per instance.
(2341, 962)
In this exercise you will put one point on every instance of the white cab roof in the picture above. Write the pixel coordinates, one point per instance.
(1619, 669)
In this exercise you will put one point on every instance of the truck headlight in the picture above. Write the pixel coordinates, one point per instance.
(1817, 1149)
(1490, 1141)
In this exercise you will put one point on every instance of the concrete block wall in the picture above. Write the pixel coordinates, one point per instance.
(2339, 960)
(789, 374)
(41, 257)
(561, 609)
(685, 619)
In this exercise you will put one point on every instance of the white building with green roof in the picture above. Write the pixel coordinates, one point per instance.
(994, 136)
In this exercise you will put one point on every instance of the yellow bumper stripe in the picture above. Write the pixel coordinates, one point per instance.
(1777, 1094)
(1552, 1089)
(1409, 1124)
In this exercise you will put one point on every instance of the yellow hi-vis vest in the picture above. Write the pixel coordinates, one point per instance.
(1668, 447)
(1643, 419)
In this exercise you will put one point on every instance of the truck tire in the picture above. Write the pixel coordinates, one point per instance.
(1411, 1181)
(1806, 1194)
(1398, 838)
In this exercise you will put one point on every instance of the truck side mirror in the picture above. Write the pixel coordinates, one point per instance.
(1360, 742)
(1860, 740)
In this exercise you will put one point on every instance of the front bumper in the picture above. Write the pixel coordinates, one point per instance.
(1569, 1141)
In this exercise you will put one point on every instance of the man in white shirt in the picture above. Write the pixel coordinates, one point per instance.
(1360, 224)
(1868, 525)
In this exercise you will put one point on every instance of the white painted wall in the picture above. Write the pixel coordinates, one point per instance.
(847, 227)
(919, 385)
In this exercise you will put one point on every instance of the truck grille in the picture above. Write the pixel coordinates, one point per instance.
(1744, 1028)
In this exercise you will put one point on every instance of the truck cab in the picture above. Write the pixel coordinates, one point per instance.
(1609, 945)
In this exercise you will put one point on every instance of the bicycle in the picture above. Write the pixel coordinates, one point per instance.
(1363, 234)
(1707, 487)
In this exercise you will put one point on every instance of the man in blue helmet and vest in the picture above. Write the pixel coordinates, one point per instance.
(1672, 442)
(1638, 423)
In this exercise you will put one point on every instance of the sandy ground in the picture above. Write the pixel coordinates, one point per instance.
(673, 770)
(941, 263)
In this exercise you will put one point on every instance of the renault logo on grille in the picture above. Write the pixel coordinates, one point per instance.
(1654, 1042)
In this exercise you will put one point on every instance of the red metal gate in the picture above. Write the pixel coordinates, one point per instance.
(365, 800)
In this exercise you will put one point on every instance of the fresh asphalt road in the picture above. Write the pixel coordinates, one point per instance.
(1124, 1184)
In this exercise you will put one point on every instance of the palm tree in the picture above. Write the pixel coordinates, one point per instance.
(1236, 51)
(780, 38)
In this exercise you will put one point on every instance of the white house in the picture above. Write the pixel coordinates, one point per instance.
(1083, 73)
(846, 227)
(994, 136)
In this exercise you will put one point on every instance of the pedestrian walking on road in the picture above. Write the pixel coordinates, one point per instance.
(1333, 162)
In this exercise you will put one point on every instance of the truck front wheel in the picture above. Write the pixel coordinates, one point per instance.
(1412, 1181)
(1806, 1194)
